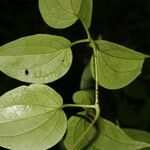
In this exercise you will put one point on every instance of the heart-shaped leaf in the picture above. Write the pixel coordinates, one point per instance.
(104, 135)
(117, 65)
(64, 13)
(36, 59)
(31, 118)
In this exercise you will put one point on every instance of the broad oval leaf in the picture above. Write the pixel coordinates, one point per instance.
(105, 135)
(64, 13)
(117, 65)
(31, 118)
(36, 59)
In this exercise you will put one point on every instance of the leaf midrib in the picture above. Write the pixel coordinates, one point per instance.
(104, 53)
(48, 53)
(114, 70)
(48, 111)
(35, 127)
(16, 68)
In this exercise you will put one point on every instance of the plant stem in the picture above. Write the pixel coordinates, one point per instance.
(86, 29)
(87, 130)
(96, 105)
(76, 105)
(97, 108)
(95, 73)
(80, 41)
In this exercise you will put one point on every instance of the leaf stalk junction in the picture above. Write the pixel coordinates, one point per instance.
(96, 104)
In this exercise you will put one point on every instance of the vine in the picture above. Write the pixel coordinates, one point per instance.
(32, 117)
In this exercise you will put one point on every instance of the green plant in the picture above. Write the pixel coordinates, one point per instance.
(31, 117)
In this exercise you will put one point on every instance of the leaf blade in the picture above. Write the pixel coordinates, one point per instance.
(85, 13)
(117, 65)
(36, 59)
(55, 15)
(105, 136)
(40, 126)
(63, 13)
(84, 97)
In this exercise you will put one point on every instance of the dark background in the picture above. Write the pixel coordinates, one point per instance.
(125, 22)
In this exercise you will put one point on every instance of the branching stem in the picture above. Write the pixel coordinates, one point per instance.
(96, 105)
(97, 108)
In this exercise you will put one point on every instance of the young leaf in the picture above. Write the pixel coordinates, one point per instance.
(105, 135)
(84, 97)
(117, 65)
(31, 118)
(64, 13)
(36, 59)
(139, 135)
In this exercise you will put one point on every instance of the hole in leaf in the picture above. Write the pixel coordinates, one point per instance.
(26, 72)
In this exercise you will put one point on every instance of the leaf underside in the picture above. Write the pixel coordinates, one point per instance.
(64, 13)
(84, 97)
(39, 58)
(104, 136)
(117, 65)
(31, 118)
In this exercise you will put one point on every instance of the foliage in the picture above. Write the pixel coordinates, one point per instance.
(31, 111)
(31, 117)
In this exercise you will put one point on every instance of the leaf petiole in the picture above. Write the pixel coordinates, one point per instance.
(76, 105)
(86, 30)
(80, 41)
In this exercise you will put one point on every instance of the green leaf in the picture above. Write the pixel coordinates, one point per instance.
(64, 13)
(84, 97)
(86, 79)
(104, 136)
(36, 59)
(31, 118)
(139, 135)
(85, 13)
(117, 65)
